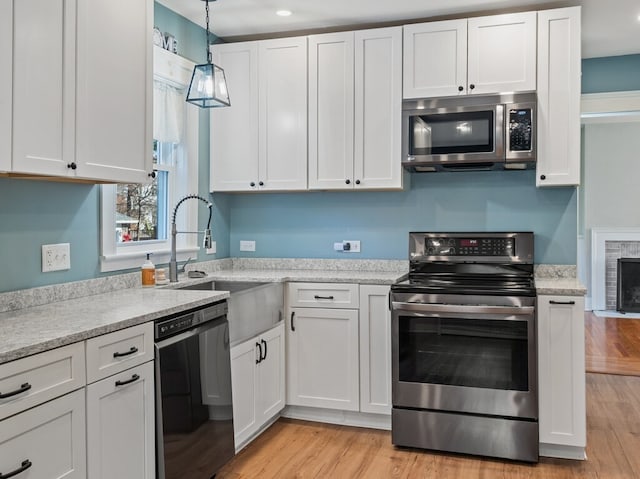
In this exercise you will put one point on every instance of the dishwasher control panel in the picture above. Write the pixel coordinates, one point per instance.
(172, 325)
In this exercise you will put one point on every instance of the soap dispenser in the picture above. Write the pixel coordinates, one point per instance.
(148, 273)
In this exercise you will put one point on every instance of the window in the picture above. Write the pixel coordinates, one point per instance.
(136, 218)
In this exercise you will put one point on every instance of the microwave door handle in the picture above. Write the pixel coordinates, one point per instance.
(439, 309)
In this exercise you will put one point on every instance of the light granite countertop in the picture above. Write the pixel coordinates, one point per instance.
(32, 330)
(560, 287)
(49, 317)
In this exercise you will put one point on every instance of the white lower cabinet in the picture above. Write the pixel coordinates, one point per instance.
(46, 442)
(375, 349)
(561, 376)
(322, 358)
(258, 382)
(121, 425)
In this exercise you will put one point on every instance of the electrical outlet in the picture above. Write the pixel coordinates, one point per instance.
(212, 250)
(247, 245)
(56, 257)
(351, 246)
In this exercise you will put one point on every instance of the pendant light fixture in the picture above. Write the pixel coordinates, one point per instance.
(208, 87)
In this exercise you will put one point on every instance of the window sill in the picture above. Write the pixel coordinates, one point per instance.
(132, 260)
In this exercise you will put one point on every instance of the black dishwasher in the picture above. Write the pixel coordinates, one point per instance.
(194, 412)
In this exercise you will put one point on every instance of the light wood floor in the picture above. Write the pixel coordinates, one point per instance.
(298, 449)
(612, 345)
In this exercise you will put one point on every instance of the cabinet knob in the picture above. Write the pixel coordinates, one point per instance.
(357, 182)
(348, 182)
(543, 177)
(460, 88)
(152, 174)
(72, 165)
(472, 86)
(252, 184)
(261, 183)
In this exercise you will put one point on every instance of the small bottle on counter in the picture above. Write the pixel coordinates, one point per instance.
(148, 273)
(161, 277)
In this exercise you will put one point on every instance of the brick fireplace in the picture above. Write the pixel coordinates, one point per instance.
(607, 246)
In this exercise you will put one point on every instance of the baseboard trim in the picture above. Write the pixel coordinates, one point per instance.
(562, 452)
(343, 418)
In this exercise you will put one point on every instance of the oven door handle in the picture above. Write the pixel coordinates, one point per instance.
(462, 309)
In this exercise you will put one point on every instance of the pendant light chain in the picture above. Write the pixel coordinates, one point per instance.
(206, 8)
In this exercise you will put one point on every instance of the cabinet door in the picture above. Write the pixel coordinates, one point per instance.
(331, 98)
(6, 82)
(378, 108)
(283, 114)
(502, 53)
(121, 425)
(234, 130)
(375, 349)
(561, 370)
(559, 97)
(114, 90)
(43, 86)
(271, 381)
(244, 359)
(50, 437)
(435, 59)
(322, 358)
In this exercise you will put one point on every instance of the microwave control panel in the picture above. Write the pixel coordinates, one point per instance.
(520, 129)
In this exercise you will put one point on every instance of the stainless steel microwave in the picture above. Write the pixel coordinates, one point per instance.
(469, 133)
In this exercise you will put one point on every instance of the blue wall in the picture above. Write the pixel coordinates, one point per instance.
(307, 224)
(621, 73)
(33, 213)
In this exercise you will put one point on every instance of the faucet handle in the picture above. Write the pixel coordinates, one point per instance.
(184, 265)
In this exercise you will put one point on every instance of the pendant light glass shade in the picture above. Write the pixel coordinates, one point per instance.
(208, 88)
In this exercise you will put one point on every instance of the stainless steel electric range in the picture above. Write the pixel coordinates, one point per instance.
(464, 346)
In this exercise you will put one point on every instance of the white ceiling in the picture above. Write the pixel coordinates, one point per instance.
(609, 27)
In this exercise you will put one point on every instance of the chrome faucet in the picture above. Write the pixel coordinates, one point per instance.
(173, 263)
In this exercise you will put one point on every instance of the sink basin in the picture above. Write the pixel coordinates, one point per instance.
(253, 307)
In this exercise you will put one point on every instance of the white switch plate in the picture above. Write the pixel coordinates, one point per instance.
(247, 245)
(56, 257)
(212, 250)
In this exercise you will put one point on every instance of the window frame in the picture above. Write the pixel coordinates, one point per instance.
(176, 71)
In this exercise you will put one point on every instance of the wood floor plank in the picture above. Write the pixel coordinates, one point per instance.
(612, 345)
(302, 450)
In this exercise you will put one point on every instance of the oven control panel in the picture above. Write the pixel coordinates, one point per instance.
(470, 246)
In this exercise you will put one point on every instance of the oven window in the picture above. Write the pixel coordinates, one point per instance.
(446, 133)
(460, 352)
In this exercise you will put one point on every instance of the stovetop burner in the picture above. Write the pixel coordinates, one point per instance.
(501, 265)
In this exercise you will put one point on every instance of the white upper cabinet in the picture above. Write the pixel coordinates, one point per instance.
(355, 102)
(260, 141)
(282, 129)
(114, 90)
(6, 60)
(378, 109)
(331, 110)
(559, 97)
(43, 86)
(502, 53)
(234, 129)
(435, 59)
(482, 55)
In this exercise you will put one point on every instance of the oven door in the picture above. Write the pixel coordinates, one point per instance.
(477, 358)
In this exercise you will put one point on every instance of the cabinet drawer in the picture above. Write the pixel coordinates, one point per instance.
(117, 351)
(47, 441)
(41, 377)
(323, 295)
